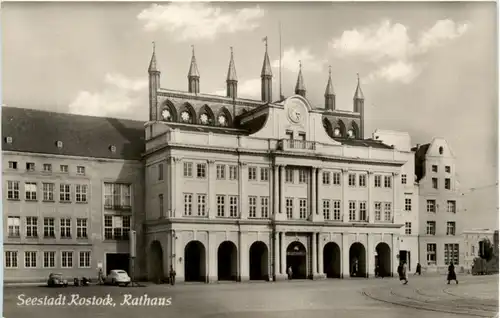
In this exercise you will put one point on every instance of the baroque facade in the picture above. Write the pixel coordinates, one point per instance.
(219, 188)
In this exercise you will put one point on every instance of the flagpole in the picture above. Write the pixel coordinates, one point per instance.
(281, 92)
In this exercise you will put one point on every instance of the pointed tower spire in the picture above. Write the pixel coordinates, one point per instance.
(232, 79)
(359, 107)
(266, 77)
(193, 75)
(154, 85)
(329, 93)
(300, 88)
(359, 93)
(152, 63)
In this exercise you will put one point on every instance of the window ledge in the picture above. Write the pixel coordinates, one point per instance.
(66, 202)
(81, 202)
(48, 201)
(12, 199)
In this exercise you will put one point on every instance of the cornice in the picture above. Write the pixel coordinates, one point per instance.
(79, 158)
(213, 99)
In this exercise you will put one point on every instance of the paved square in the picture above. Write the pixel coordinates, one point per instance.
(422, 297)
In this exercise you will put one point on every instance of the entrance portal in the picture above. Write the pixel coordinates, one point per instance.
(156, 262)
(117, 261)
(258, 261)
(331, 260)
(194, 262)
(357, 260)
(296, 257)
(227, 261)
(383, 260)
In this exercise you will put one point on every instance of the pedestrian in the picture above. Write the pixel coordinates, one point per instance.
(377, 271)
(171, 276)
(403, 273)
(290, 272)
(419, 269)
(100, 278)
(451, 273)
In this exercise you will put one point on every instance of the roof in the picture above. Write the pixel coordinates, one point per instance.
(420, 152)
(363, 143)
(37, 131)
(207, 129)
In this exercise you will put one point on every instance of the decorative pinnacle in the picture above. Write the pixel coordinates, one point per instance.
(192, 48)
(329, 69)
(300, 65)
(154, 47)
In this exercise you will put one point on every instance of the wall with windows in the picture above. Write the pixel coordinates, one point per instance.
(54, 213)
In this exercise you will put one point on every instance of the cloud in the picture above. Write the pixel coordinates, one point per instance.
(194, 21)
(389, 47)
(120, 97)
(246, 89)
(291, 58)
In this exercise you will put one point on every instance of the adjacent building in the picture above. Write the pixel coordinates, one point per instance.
(473, 239)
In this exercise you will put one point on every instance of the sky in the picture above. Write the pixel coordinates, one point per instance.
(429, 69)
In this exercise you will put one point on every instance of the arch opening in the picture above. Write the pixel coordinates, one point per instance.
(331, 260)
(194, 262)
(357, 260)
(156, 262)
(168, 112)
(224, 118)
(259, 261)
(187, 114)
(327, 125)
(206, 116)
(339, 131)
(383, 260)
(227, 261)
(296, 258)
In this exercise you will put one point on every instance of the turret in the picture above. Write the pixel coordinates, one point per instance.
(359, 107)
(329, 93)
(154, 85)
(193, 76)
(300, 88)
(232, 79)
(266, 78)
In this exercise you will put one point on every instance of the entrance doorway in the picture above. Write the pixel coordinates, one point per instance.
(194, 262)
(259, 261)
(156, 262)
(296, 257)
(117, 261)
(227, 261)
(405, 256)
(357, 260)
(331, 260)
(383, 260)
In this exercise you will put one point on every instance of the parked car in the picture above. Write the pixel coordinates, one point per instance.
(56, 280)
(118, 277)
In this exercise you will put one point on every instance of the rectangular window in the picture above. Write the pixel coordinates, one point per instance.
(160, 205)
(434, 168)
(30, 259)
(407, 204)
(403, 179)
(81, 193)
(431, 206)
(264, 174)
(336, 178)
(378, 211)
(31, 226)
(80, 170)
(47, 167)
(160, 171)
(252, 173)
(11, 259)
(431, 254)
(233, 206)
(30, 190)
(117, 195)
(362, 211)
(65, 228)
(48, 192)
(188, 169)
(221, 172)
(66, 259)
(49, 259)
(84, 259)
(13, 165)
(30, 166)
(303, 176)
(326, 177)
(378, 181)
(289, 208)
(352, 210)
(201, 170)
(188, 204)
(202, 204)
(65, 192)
(233, 172)
(252, 207)
(362, 180)
(447, 169)
(81, 228)
(431, 227)
(63, 168)
(288, 175)
(387, 182)
(303, 208)
(49, 228)
(451, 253)
(387, 211)
(326, 209)
(352, 179)
(407, 228)
(14, 226)
(13, 190)
(336, 210)
(221, 205)
(435, 183)
(447, 184)
(116, 227)
(450, 228)
(264, 207)
(451, 206)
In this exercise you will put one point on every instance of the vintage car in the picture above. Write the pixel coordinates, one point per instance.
(118, 277)
(56, 280)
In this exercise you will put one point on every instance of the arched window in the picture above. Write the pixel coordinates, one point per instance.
(328, 127)
(223, 118)
(187, 114)
(206, 116)
(168, 112)
(339, 130)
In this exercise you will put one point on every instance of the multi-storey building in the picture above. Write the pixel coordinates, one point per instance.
(473, 243)
(216, 187)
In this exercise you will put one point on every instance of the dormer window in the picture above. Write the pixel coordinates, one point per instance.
(440, 150)
(30, 166)
(59, 144)
(112, 148)
(8, 140)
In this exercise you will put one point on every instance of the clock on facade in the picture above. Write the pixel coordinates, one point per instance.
(294, 113)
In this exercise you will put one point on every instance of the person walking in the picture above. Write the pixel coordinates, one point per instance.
(419, 269)
(451, 273)
(171, 275)
(403, 273)
(290, 272)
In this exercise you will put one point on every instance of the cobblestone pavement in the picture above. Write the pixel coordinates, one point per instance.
(329, 298)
